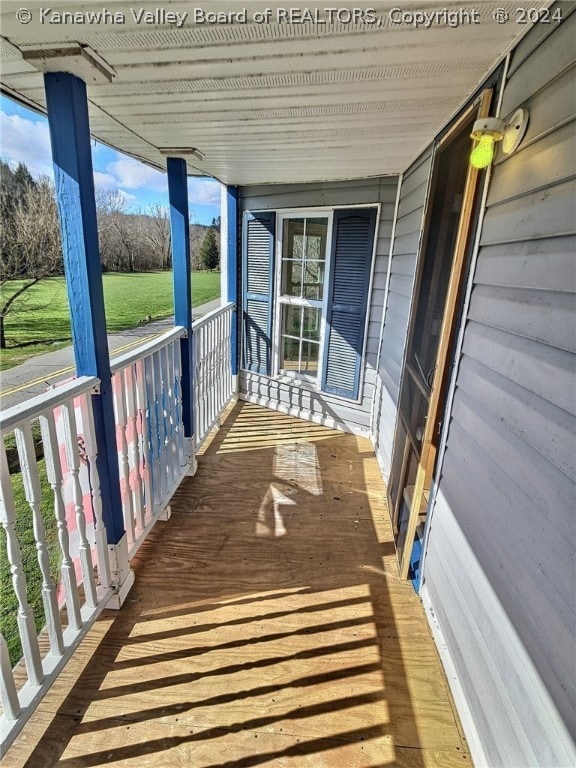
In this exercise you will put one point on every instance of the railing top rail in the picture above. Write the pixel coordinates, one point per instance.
(117, 363)
(211, 315)
(35, 406)
(47, 401)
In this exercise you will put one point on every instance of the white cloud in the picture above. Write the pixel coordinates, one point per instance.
(132, 174)
(26, 141)
(203, 192)
(105, 181)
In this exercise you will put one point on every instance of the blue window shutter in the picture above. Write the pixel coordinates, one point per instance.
(352, 246)
(258, 289)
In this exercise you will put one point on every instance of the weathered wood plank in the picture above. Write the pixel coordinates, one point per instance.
(240, 646)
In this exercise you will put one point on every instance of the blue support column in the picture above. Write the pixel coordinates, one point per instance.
(180, 230)
(231, 214)
(70, 138)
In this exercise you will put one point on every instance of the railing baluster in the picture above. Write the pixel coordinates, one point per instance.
(8, 693)
(200, 379)
(136, 484)
(125, 491)
(206, 373)
(94, 483)
(152, 409)
(161, 421)
(221, 340)
(71, 445)
(210, 377)
(178, 405)
(174, 422)
(144, 439)
(199, 385)
(168, 413)
(33, 494)
(67, 481)
(25, 618)
(54, 472)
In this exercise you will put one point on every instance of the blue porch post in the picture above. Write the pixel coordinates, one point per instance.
(231, 213)
(180, 230)
(70, 139)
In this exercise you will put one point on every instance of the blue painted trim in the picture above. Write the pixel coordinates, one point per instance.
(415, 571)
(70, 138)
(181, 273)
(268, 217)
(232, 264)
(369, 213)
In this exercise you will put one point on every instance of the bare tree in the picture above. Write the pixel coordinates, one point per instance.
(158, 233)
(31, 248)
(118, 246)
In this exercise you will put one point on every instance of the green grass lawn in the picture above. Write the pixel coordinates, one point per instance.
(130, 298)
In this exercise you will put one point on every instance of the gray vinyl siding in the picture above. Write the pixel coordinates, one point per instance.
(499, 571)
(304, 401)
(407, 239)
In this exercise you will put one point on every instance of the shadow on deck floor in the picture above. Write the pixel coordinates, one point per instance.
(267, 626)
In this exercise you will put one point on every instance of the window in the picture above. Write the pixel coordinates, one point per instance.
(304, 243)
(306, 277)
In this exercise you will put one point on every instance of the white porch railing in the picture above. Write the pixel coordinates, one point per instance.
(51, 437)
(68, 476)
(212, 375)
(152, 454)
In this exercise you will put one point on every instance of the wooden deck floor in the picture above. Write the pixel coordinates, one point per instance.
(267, 626)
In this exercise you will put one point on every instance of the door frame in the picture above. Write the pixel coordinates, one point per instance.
(426, 463)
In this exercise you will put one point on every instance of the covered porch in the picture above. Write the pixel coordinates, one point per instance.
(267, 625)
(263, 620)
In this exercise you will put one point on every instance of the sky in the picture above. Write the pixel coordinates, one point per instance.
(24, 137)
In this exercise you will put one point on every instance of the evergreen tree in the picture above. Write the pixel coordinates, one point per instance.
(22, 180)
(209, 255)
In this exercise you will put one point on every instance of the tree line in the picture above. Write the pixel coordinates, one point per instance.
(30, 247)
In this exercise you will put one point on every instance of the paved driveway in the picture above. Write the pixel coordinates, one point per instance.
(36, 374)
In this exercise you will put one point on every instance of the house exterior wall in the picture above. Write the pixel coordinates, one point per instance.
(499, 572)
(305, 401)
(407, 237)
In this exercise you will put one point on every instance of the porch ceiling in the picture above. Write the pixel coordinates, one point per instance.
(268, 103)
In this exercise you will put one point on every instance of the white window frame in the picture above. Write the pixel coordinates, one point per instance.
(289, 377)
(280, 300)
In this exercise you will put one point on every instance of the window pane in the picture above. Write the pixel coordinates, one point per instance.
(291, 278)
(292, 321)
(313, 280)
(311, 329)
(303, 256)
(290, 354)
(293, 245)
(310, 355)
(316, 233)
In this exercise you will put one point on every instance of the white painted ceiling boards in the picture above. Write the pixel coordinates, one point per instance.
(274, 101)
